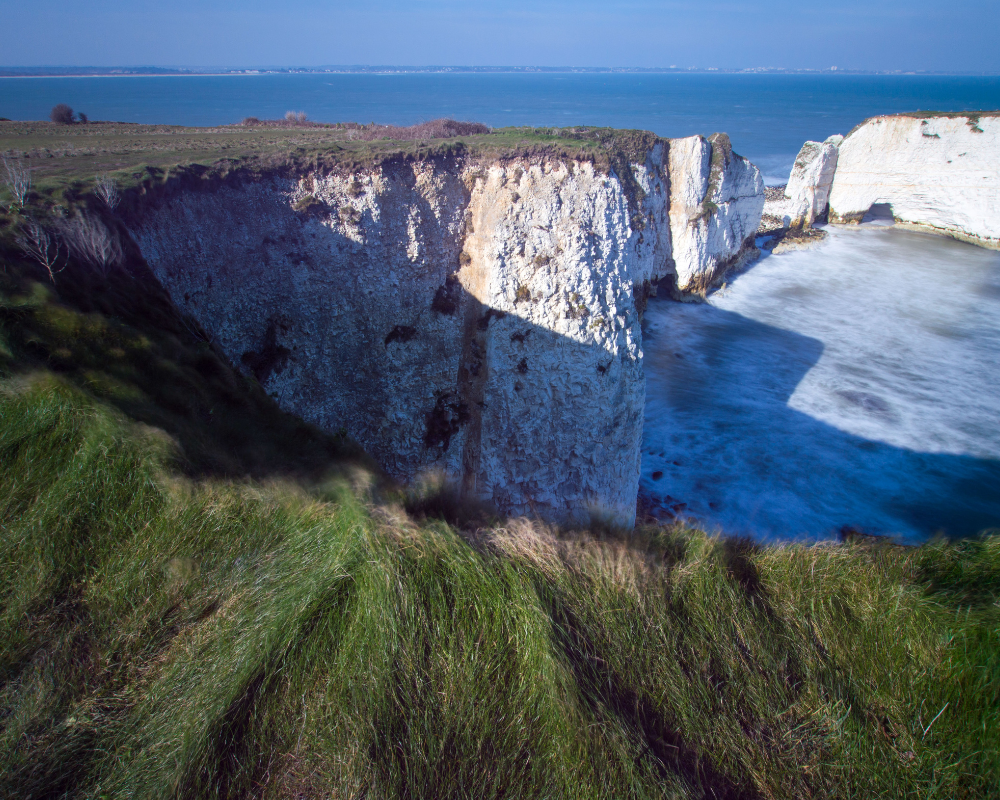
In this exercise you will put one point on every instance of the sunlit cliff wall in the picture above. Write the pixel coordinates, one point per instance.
(481, 318)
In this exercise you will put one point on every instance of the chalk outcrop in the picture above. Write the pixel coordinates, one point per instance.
(808, 190)
(938, 173)
(716, 201)
(480, 318)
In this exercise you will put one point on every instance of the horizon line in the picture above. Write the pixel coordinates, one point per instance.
(153, 70)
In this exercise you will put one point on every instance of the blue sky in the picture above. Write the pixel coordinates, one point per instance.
(852, 34)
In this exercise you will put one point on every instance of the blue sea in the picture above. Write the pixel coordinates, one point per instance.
(767, 116)
(854, 384)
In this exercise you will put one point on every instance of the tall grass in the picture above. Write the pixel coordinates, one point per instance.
(186, 611)
(167, 638)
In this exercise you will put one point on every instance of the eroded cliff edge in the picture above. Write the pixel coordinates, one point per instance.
(477, 316)
(936, 172)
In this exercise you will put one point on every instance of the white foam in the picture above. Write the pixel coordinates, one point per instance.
(852, 384)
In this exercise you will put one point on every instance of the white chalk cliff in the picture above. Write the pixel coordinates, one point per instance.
(808, 189)
(481, 318)
(939, 173)
(716, 201)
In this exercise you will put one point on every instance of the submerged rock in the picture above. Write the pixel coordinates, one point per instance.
(790, 239)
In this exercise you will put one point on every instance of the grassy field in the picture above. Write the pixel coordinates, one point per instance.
(201, 596)
(65, 160)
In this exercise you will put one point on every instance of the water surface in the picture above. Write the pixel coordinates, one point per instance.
(853, 384)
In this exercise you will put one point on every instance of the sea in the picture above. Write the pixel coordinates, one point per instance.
(850, 387)
(854, 386)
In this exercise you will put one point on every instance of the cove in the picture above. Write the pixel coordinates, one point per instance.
(853, 384)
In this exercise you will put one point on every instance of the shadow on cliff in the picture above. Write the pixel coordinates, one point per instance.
(762, 466)
(356, 333)
(722, 445)
(117, 335)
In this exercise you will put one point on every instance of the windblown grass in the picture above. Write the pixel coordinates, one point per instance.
(162, 638)
(178, 622)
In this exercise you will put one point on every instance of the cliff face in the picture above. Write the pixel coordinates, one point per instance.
(482, 319)
(716, 201)
(808, 190)
(938, 173)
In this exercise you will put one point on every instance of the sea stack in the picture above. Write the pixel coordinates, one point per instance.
(809, 184)
(716, 201)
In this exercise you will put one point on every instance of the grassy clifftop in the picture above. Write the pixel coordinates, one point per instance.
(68, 158)
(202, 597)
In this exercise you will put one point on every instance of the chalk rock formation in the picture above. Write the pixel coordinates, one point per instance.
(938, 173)
(808, 189)
(716, 201)
(477, 318)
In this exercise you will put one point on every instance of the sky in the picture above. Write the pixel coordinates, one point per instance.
(959, 35)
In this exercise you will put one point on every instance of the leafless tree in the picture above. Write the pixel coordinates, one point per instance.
(301, 117)
(91, 241)
(62, 114)
(41, 245)
(17, 179)
(290, 116)
(107, 190)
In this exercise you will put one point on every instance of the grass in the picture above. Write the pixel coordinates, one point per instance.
(67, 159)
(972, 116)
(201, 596)
(168, 638)
(950, 114)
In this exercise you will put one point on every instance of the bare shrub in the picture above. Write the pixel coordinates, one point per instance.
(90, 240)
(61, 114)
(292, 119)
(41, 245)
(17, 179)
(435, 129)
(82, 118)
(107, 189)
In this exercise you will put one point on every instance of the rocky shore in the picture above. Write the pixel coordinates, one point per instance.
(779, 235)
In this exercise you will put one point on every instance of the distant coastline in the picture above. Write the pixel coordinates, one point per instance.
(148, 72)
